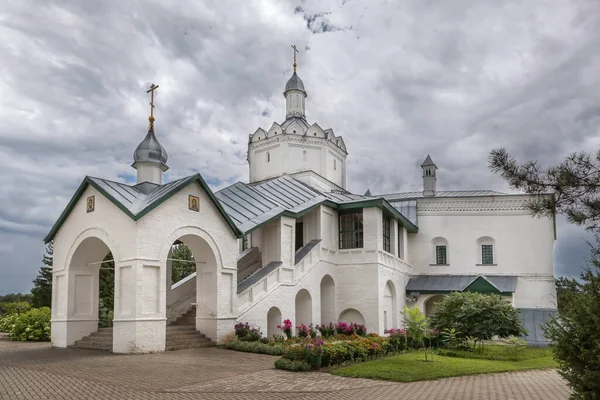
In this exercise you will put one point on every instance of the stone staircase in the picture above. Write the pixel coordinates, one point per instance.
(181, 334)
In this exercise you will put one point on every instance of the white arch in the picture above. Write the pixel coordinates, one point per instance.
(97, 233)
(435, 242)
(390, 318)
(430, 303)
(485, 240)
(273, 319)
(327, 300)
(191, 231)
(303, 307)
(351, 315)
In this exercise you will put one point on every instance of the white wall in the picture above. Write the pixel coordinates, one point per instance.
(293, 153)
(523, 244)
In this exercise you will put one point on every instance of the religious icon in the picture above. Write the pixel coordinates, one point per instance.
(194, 203)
(91, 204)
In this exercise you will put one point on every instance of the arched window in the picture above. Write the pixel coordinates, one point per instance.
(439, 251)
(486, 251)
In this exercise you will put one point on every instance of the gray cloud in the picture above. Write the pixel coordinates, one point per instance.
(398, 80)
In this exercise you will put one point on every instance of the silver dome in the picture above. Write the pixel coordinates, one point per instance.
(150, 150)
(294, 83)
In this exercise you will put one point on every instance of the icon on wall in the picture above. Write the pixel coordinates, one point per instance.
(194, 203)
(91, 204)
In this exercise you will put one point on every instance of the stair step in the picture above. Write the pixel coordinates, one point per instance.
(179, 328)
(97, 339)
(4, 336)
(92, 345)
(189, 346)
(187, 342)
(183, 336)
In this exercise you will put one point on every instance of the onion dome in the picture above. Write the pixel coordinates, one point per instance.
(295, 83)
(151, 151)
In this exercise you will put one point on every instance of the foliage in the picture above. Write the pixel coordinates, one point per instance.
(33, 325)
(245, 332)
(477, 316)
(515, 351)
(105, 315)
(42, 284)
(327, 330)
(181, 269)
(409, 367)
(256, 347)
(290, 365)
(417, 326)
(312, 331)
(575, 185)
(14, 308)
(397, 340)
(286, 327)
(566, 288)
(302, 331)
(7, 321)
(106, 292)
(16, 297)
(452, 339)
(319, 353)
(575, 334)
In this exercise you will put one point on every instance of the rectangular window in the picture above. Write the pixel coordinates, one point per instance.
(387, 233)
(440, 255)
(487, 254)
(245, 243)
(351, 230)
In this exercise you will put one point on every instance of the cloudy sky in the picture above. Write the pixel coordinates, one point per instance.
(397, 79)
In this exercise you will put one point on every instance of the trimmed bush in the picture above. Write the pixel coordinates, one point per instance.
(34, 325)
(256, 347)
(290, 365)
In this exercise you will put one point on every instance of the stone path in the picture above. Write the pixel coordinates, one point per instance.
(37, 371)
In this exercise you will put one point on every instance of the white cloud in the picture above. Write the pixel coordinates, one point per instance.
(397, 80)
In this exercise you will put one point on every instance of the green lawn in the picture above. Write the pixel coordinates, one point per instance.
(411, 367)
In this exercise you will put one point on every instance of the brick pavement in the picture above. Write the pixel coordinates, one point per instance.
(37, 371)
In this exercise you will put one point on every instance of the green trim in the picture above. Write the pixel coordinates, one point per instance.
(87, 181)
(452, 291)
(481, 285)
(379, 203)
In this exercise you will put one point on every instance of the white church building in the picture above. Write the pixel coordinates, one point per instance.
(292, 243)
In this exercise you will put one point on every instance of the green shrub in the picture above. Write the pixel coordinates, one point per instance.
(7, 321)
(18, 307)
(34, 325)
(477, 316)
(256, 347)
(290, 365)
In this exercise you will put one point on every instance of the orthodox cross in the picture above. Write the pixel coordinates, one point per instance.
(153, 87)
(295, 51)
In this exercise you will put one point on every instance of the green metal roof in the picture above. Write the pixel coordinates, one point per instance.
(136, 202)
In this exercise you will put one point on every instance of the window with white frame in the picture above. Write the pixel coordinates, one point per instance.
(400, 242)
(387, 234)
(486, 251)
(439, 254)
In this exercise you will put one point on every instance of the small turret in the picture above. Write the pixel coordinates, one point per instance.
(429, 177)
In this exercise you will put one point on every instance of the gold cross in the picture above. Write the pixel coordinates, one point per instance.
(153, 87)
(295, 51)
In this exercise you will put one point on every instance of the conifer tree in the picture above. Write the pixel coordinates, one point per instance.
(42, 284)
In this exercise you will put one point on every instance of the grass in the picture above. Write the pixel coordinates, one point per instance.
(411, 367)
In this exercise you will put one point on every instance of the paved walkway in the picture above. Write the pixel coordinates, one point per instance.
(37, 371)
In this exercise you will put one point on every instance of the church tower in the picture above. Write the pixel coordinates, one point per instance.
(150, 158)
(429, 177)
(309, 153)
(294, 94)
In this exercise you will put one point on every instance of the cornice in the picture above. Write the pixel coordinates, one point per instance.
(495, 204)
(300, 139)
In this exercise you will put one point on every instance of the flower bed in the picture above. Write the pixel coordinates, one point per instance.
(318, 346)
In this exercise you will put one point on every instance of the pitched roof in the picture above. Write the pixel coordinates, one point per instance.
(458, 283)
(428, 161)
(251, 205)
(447, 193)
(137, 201)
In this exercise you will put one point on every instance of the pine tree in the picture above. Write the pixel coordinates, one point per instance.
(42, 284)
